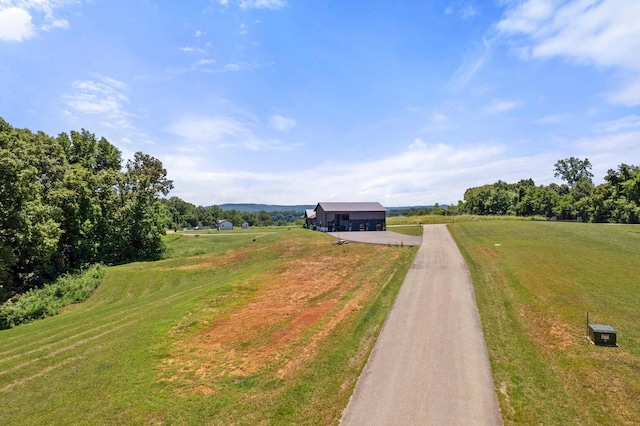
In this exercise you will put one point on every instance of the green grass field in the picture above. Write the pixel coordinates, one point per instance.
(253, 327)
(534, 283)
(264, 327)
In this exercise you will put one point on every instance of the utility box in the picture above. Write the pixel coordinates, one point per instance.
(602, 335)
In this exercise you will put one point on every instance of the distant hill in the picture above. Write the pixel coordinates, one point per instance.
(253, 208)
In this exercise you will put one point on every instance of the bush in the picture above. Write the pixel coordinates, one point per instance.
(48, 300)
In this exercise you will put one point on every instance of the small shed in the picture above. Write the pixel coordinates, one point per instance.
(225, 225)
(245, 225)
(310, 218)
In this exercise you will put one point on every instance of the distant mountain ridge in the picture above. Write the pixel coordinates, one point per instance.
(254, 208)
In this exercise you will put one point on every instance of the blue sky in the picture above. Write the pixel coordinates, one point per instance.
(296, 102)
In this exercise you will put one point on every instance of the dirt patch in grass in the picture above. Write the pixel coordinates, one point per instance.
(284, 323)
(550, 334)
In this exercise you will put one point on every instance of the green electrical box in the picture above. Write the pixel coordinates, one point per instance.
(602, 335)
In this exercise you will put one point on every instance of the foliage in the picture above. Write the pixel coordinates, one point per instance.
(616, 201)
(48, 300)
(65, 202)
(183, 214)
(573, 170)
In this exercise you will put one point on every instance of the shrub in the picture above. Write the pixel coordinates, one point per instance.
(48, 300)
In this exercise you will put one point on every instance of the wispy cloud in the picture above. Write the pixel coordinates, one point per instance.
(234, 67)
(281, 123)
(498, 106)
(254, 4)
(601, 33)
(465, 11)
(472, 63)
(191, 49)
(104, 97)
(207, 132)
(624, 123)
(102, 104)
(262, 4)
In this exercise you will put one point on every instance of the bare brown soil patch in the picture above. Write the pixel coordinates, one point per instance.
(549, 333)
(296, 307)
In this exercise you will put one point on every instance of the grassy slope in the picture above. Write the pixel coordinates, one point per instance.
(533, 290)
(104, 361)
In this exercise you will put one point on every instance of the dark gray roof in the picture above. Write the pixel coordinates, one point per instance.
(352, 207)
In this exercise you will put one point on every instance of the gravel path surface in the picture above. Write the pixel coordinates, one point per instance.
(430, 364)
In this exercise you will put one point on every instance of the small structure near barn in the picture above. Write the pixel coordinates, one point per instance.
(310, 218)
(245, 225)
(224, 225)
(368, 216)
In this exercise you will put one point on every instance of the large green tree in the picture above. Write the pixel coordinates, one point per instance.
(66, 202)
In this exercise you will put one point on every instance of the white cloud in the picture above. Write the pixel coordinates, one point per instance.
(499, 106)
(97, 97)
(448, 11)
(262, 4)
(17, 17)
(281, 123)
(417, 174)
(15, 24)
(628, 122)
(202, 62)
(202, 133)
(241, 66)
(601, 33)
(189, 49)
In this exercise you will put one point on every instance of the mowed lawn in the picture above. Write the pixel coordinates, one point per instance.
(250, 327)
(534, 283)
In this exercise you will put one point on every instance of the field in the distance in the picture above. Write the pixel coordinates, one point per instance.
(266, 327)
(534, 283)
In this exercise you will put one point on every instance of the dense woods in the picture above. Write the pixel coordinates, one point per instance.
(617, 200)
(67, 202)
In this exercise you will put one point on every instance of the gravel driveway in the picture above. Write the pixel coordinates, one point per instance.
(430, 364)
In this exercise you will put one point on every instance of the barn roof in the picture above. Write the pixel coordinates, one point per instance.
(352, 207)
(310, 213)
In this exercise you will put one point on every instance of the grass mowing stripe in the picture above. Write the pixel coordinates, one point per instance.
(66, 361)
(116, 314)
(118, 378)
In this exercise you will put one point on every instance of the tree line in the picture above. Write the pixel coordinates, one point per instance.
(67, 202)
(183, 214)
(617, 200)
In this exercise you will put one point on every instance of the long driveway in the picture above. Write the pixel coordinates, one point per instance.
(430, 364)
